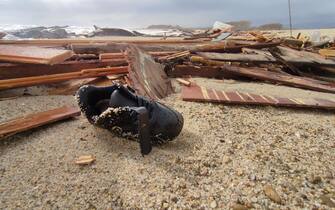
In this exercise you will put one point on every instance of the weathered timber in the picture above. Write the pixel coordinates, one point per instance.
(11, 71)
(35, 55)
(47, 79)
(35, 120)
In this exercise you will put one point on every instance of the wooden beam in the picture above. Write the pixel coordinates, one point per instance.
(31, 121)
(39, 80)
(233, 57)
(174, 56)
(295, 56)
(35, 55)
(231, 48)
(11, 71)
(200, 71)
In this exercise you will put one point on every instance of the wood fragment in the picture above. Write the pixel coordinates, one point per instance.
(109, 56)
(85, 160)
(184, 82)
(35, 120)
(303, 57)
(272, 194)
(175, 56)
(207, 62)
(224, 47)
(147, 77)
(233, 57)
(30, 54)
(201, 71)
(237, 206)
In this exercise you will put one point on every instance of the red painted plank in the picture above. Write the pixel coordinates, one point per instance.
(31, 121)
(200, 94)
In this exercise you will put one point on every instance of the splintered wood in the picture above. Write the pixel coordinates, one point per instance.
(146, 76)
(30, 54)
(85, 160)
(201, 94)
(35, 120)
(184, 82)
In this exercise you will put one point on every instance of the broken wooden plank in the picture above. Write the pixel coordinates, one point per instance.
(201, 94)
(47, 79)
(85, 160)
(35, 120)
(225, 47)
(278, 78)
(35, 55)
(286, 54)
(11, 71)
(107, 56)
(295, 56)
(175, 56)
(233, 57)
(200, 71)
(184, 82)
(148, 78)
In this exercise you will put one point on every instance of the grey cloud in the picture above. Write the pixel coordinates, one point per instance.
(134, 13)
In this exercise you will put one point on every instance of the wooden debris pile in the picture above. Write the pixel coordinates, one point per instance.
(147, 64)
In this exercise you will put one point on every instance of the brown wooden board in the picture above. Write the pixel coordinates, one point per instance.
(200, 71)
(225, 47)
(201, 94)
(147, 77)
(30, 54)
(35, 120)
(11, 71)
(237, 57)
(287, 54)
(295, 56)
(48, 79)
(278, 78)
(109, 56)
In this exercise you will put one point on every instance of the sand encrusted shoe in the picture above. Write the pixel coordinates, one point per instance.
(120, 110)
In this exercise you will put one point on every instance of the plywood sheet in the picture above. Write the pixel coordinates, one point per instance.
(31, 54)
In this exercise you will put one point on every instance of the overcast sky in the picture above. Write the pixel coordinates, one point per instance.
(139, 13)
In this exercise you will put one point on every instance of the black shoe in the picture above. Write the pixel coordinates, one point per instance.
(119, 109)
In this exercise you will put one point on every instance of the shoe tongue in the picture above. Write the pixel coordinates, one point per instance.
(121, 100)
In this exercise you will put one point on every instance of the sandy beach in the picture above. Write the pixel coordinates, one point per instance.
(224, 156)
